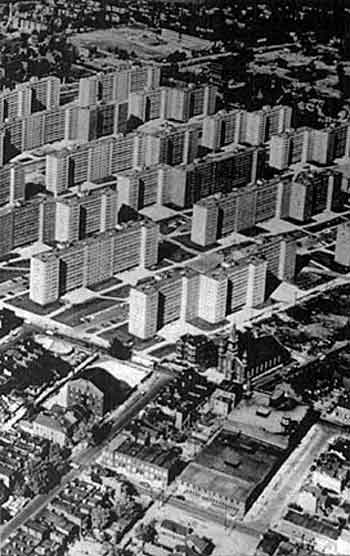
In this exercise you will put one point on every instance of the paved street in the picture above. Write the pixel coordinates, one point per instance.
(270, 506)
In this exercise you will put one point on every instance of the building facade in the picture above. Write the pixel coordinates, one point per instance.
(92, 260)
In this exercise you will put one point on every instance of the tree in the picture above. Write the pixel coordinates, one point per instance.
(100, 517)
(19, 488)
(176, 57)
(146, 532)
(39, 479)
(119, 350)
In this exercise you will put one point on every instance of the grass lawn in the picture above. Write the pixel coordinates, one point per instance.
(121, 332)
(163, 351)
(23, 302)
(106, 284)
(8, 274)
(9, 257)
(172, 252)
(207, 326)
(186, 242)
(73, 315)
(122, 292)
(24, 263)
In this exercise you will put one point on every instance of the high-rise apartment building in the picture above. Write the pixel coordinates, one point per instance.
(222, 129)
(45, 287)
(280, 151)
(238, 210)
(291, 147)
(205, 220)
(314, 192)
(166, 143)
(88, 211)
(280, 254)
(148, 105)
(70, 123)
(156, 301)
(141, 187)
(6, 227)
(125, 153)
(342, 249)
(212, 304)
(170, 145)
(186, 294)
(279, 251)
(310, 145)
(143, 316)
(12, 183)
(25, 222)
(300, 207)
(254, 131)
(92, 260)
(173, 103)
(27, 98)
(117, 85)
(89, 162)
(330, 143)
(218, 172)
(232, 285)
(259, 126)
(57, 176)
(240, 126)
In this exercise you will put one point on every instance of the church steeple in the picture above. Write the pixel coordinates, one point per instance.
(241, 367)
(231, 352)
(232, 343)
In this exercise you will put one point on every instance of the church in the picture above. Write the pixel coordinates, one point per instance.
(244, 355)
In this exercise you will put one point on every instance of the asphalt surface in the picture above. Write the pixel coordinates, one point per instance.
(121, 417)
(208, 514)
(270, 506)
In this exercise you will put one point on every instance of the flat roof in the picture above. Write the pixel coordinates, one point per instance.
(122, 229)
(154, 454)
(240, 457)
(222, 198)
(314, 524)
(267, 428)
(155, 283)
(223, 270)
(161, 127)
(215, 481)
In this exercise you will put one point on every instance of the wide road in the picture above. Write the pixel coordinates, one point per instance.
(270, 506)
(121, 417)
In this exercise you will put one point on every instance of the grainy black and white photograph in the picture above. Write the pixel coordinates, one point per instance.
(175, 278)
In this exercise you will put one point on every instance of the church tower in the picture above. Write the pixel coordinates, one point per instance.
(241, 368)
(231, 353)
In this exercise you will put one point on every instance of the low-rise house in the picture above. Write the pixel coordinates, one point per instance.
(153, 465)
(7, 474)
(331, 473)
(171, 533)
(151, 549)
(52, 429)
(35, 529)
